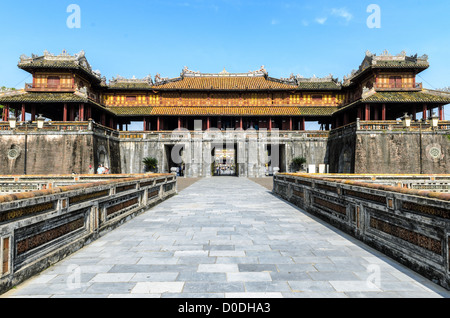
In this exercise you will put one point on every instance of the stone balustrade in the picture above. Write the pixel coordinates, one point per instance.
(40, 228)
(410, 225)
(26, 183)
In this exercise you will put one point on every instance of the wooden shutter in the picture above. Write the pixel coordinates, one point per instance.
(53, 81)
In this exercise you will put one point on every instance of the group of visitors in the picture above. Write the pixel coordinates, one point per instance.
(100, 170)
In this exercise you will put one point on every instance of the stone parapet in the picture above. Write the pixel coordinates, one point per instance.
(411, 226)
(40, 228)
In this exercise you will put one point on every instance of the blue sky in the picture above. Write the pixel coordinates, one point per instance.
(138, 38)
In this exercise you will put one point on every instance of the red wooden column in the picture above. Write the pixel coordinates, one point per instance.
(179, 122)
(424, 111)
(71, 113)
(22, 114)
(383, 112)
(81, 112)
(6, 113)
(441, 112)
(208, 123)
(145, 124)
(270, 123)
(240, 123)
(33, 112)
(88, 112)
(65, 112)
(376, 111)
(302, 125)
(158, 124)
(359, 113)
(290, 123)
(346, 119)
(367, 115)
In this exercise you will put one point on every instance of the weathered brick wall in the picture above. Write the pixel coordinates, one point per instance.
(390, 151)
(347, 150)
(402, 152)
(60, 153)
(341, 152)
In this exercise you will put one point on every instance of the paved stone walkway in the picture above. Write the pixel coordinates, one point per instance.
(227, 237)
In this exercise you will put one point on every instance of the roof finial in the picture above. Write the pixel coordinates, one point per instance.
(224, 71)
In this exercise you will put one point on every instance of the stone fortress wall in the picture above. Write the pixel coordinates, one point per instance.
(362, 147)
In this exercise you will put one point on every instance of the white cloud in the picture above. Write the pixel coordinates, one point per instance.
(342, 13)
(321, 20)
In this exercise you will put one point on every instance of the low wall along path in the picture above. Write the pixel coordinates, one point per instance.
(221, 237)
(40, 228)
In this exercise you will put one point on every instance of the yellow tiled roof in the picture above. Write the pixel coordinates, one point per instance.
(224, 111)
(225, 83)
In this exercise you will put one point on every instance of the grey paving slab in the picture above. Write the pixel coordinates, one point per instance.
(227, 237)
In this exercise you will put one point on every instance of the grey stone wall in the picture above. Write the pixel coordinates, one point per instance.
(402, 152)
(346, 150)
(388, 148)
(46, 153)
(251, 151)
(341, 153)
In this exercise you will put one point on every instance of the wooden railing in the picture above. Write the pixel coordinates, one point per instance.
(403, 87)
(29, 87)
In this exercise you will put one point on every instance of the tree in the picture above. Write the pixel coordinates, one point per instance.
(150, 163)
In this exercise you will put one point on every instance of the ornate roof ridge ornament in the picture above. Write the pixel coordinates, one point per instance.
(122, 80)
(78, 59)
(159, 79)
(187, 72)
(12, 92)
(387, 58)
(315, 79)
(224, 73)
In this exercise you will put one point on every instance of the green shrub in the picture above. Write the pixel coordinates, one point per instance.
(298, 162)
(150, 163)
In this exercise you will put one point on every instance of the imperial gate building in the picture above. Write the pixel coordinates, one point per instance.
(245, 124)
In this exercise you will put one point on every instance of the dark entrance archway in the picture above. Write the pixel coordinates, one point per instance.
(224, 160)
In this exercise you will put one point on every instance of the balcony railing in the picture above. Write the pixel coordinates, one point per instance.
(389, 125)
(407, 87)
(29, 87)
